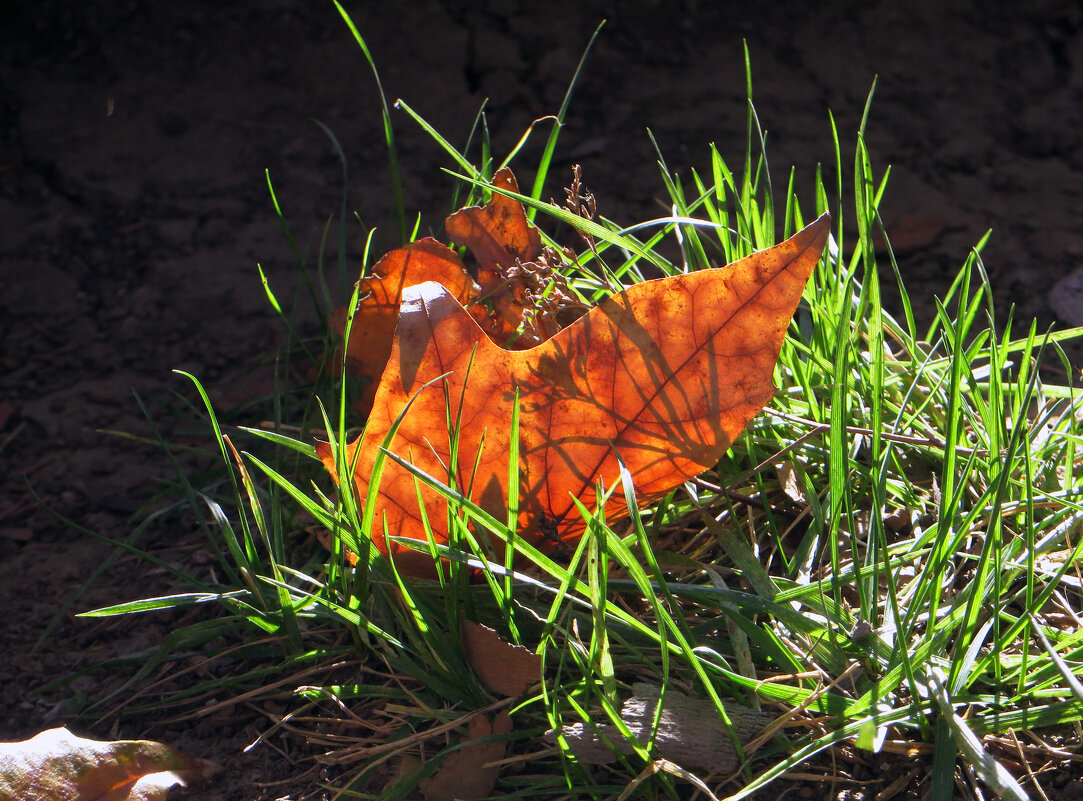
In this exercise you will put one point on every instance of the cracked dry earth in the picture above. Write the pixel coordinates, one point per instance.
(133, 210)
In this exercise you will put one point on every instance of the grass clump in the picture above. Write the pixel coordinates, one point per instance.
(885, 562)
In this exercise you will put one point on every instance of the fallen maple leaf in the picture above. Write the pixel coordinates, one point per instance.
(55, 765)
(663, 376)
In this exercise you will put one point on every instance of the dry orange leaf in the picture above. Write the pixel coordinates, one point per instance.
(504, 668)
(56, 765)
(498, 233)
(502, 240)
(664, 375)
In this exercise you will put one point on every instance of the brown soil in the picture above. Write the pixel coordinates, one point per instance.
(134, 210)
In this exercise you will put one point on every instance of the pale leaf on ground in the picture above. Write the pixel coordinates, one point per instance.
(691, 733)
(56, 765)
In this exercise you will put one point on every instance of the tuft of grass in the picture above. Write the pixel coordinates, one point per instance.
(886, 560)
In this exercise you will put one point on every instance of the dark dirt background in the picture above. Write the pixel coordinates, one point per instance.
(133, 211)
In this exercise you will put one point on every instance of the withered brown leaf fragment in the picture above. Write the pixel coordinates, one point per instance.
(504, 668)
(664, 375)
(466, 774)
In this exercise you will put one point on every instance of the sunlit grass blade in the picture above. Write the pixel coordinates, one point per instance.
(398, 203)
(551, 143)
